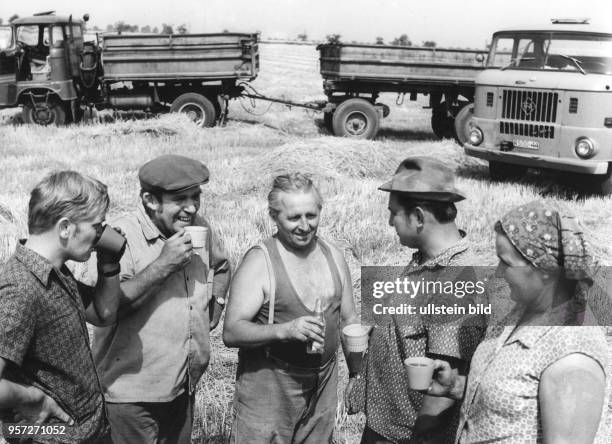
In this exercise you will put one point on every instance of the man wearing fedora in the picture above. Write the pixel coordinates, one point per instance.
(422, 210)
(151, 360)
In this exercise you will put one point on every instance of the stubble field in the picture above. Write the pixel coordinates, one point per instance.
(245, 155)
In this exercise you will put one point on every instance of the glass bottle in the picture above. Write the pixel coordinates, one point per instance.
(313, 347)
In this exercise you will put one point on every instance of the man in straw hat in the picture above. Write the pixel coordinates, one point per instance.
(422, 210)
(151, 361)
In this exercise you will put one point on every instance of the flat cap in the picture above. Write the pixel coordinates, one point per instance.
(424, 178)
(172, 173)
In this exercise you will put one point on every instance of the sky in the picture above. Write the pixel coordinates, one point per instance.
(452, 23)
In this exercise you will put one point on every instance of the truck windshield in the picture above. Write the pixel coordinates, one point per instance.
(29, 34)
(553, 51)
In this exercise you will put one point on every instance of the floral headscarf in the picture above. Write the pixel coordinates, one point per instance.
(548, 239)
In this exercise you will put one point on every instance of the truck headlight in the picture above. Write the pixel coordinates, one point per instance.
(475, 136)
(585, 148)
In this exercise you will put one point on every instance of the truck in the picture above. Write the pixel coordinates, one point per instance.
(355, 75)
(545, 101)
(53, 73)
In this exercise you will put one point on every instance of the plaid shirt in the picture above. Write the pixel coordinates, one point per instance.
(43, 338)
(391, 409)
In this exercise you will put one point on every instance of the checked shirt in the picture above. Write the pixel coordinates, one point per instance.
(44, 338)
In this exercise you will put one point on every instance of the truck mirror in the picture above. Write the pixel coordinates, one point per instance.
(85, 17)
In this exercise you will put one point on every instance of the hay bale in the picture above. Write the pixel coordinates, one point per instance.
(327, 158)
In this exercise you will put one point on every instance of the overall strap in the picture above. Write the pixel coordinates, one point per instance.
(271, 282)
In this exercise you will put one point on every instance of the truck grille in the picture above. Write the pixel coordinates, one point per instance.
(531, 106)
(527, 130)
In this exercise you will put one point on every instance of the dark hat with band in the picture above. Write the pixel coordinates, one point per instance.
(424, 178)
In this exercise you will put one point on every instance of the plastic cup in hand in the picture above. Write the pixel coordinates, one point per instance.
(356, 338)
(198, 237)
(111, 242)
(420, 372)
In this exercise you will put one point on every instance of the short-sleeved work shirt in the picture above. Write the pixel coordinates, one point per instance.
(391, 407)
(44, 338)
(148, 355)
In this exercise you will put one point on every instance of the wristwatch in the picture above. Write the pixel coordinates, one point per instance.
(219, 300)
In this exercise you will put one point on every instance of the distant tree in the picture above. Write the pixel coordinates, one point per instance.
(166, 29)
(182, 29)
(13, 18)
(122, 27)
(1, 21)
(225, 31)
(302, 37)
(110, 28)
(155, 30)
(380, 41)
(402, 40)
(146, 29)
(429, 44)
(96, 28)
(334, 39)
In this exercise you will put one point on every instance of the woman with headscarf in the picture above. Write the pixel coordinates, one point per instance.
(545, 376)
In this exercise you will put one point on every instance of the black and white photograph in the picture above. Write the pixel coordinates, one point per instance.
(305, 222)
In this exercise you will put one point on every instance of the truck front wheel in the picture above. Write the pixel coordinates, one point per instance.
(355, 118)
(602, 184)
(197, 107)
(462, 123)
(50, 113)
(501, 171)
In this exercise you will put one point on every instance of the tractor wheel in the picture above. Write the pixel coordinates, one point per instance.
(197, 107)
(51, 113)
(356, 118)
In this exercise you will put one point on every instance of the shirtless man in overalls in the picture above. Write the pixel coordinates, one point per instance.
(283, 393)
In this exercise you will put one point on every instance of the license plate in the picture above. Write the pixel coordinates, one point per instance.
(528, 144)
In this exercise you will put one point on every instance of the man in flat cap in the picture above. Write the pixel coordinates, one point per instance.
(151, 360)
(422, 211)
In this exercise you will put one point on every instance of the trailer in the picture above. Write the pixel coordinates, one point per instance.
(355, 75)
(53, 73)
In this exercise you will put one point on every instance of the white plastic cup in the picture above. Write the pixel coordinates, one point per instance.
(420, 372)
(198, 236)
(356, 337)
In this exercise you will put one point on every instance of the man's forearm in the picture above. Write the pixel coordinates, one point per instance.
(248, 334)
(13, 394)
(135, 291)
(106, 300)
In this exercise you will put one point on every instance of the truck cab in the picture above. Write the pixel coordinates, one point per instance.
(39, 67)
(545, 101)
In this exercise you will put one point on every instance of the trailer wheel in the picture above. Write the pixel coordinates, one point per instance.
(197, 107)
(355, 118)
(441, 124)
(462, 123)
(51, 113)
(328, 121)
(500, 171)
